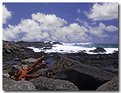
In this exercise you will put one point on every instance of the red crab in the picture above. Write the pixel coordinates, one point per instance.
(25, 74)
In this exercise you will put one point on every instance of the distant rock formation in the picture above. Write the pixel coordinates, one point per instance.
(98, 49)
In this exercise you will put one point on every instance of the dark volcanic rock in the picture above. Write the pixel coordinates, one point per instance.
(34, 44)
(112, 85)
(98, 49)
(11, 66)
(43, 83)
(13, 50)
(11, 85)
(107, 62)
(85, 77)
(56, 43)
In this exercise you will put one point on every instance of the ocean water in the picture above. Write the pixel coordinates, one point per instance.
(90, 45)
(78, 47)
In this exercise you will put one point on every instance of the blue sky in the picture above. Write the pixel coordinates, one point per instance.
(64, 22)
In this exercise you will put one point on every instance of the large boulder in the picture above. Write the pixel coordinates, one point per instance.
(85, 77)
(43, 83)
(112, 85)
(11, 85)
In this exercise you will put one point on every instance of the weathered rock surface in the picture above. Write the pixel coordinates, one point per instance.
(11, 85)
(107, 62)
(43, 83)
(112, 85)
(85, 77)
(29, 61)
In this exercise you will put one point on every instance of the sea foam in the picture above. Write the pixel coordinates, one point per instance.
(69, 48)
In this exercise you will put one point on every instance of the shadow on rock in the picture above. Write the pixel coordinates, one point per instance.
(85, 77)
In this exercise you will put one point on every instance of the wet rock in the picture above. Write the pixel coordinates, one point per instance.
(53, 42)
(112, 85)
(11, 85)
(85, 77)
(29, 60)
(43, 83)
(98, 49)
(45, 48)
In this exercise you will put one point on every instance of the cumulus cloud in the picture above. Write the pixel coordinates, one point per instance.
(6, 14)
(78, 11)
(45, 27)
(99, 30)
(72, 33)
(106, 11)
(50, 27)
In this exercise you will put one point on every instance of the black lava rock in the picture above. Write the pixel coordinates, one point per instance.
(98, 49)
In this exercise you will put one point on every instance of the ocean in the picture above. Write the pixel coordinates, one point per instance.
(91, 45)
(78, 47)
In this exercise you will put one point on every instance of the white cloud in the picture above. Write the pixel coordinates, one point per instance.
(73, 32)
(50, 27)
(45, 27)
(49, 20)
(111, 28)
(97, 30)
(78, 11)
(106, 11)
(6, 14)
(101, 29)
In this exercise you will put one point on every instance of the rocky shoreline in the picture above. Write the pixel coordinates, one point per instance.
(69, 71)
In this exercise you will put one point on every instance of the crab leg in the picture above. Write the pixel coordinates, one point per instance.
(24, 74)
(35, 64)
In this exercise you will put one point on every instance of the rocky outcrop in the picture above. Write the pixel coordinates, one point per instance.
(43, 83)
(98, 49)
(34, 44)
(71, 71)
(85, 77)
(11, 85)
(13, 50)
(112, 85)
